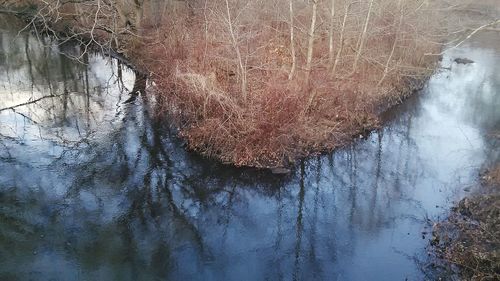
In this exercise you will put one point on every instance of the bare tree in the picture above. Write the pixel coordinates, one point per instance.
(330, 33)
(359, 50)
(310, 44)
(292, 41)
(241, 66)
(394, 44)
(129, 12)
(341, 40)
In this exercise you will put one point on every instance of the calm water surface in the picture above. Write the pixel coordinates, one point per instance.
(92, 187)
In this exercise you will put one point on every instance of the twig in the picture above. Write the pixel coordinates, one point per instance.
(31, 102)
(497, 21)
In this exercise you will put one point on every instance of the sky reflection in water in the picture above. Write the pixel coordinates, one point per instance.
(93, 188)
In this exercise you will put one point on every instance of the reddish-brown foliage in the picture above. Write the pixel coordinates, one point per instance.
(193, 61)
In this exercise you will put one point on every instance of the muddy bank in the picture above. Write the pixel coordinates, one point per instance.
(467, 243)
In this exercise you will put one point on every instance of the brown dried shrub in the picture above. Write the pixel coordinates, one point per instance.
(469, 240)
(195, 65)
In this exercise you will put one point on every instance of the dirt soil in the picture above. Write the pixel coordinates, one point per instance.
(467, 243)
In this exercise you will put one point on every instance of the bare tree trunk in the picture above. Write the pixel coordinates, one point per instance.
(238, 53)
(120, 8)
(138, 4)
(206, 32)
(341, 40)
(386, 68)
(310, 44)
(363, 37)
(292, 43)
(125, 8)
(330, 33)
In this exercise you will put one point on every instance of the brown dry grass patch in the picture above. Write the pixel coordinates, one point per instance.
(469, 240)
(274, 121)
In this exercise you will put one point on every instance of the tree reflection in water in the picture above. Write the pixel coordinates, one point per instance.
(93, 187)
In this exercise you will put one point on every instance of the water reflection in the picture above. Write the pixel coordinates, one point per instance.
(92, 187)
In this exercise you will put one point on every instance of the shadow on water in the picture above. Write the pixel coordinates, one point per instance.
(92, 187)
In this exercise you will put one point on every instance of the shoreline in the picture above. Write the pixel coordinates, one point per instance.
(318, 122)
(336, 141)
(465, 245)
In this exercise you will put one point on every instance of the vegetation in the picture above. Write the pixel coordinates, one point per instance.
(469, 240)
(261, 83)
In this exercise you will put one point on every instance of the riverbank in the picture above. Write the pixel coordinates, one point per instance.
(467, 243)
(257, 89)
(113, 195)
(266, 98)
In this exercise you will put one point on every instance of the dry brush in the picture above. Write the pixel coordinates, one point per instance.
(260, 83)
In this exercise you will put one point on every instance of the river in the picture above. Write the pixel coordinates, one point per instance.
(94, 187)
